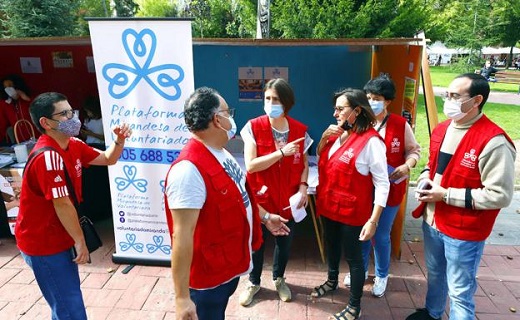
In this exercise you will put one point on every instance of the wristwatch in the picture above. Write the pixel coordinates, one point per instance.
(266, 217)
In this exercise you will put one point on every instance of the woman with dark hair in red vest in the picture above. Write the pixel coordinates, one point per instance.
(352, 191)
(402, 153)
(277, 168)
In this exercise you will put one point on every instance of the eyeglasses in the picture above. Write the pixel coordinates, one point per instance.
(453, 96)
(71, 113)
(230, 112)
(339, 109)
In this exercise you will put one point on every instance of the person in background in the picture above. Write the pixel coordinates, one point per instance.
(47, 227)
(14, 105)
(352, 191)
(92, 129)
(212, 215)
(487, 70)
(461, 191)
(402, 153)
(277, 167)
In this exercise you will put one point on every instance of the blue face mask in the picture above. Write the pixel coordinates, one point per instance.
(231, 132)
(377, 106)
(273, 110)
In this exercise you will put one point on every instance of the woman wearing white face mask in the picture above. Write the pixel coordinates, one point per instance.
(274, 152)
(14, 105)
(402, 153)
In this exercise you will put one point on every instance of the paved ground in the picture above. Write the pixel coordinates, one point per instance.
(147, 292)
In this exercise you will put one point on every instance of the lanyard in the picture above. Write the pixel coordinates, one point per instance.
(382, 123)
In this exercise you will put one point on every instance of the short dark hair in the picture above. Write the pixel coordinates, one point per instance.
(200, 108)
(284, 91)
(479, 85)
(93, 105)
(44, 106)
(382, 86)
(358, 98)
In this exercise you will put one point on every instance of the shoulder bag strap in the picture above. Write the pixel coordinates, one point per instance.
(70, 186)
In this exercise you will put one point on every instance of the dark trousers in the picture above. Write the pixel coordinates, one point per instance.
(280, 256)
(340, 236)
(211, 304)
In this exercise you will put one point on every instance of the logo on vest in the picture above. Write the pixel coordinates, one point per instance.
(78, 168)
(347, 156)
(297, 158)
(395, 146)
(469, 160)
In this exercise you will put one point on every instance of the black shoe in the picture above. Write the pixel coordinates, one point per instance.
(421, 314)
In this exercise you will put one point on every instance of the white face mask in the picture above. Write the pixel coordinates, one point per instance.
(11, 92)
(452, 110)
(231, 132)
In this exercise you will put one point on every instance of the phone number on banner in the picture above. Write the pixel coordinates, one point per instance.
(144, 155)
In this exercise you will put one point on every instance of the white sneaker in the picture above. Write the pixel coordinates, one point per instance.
(379, 288)
(247, 296)
(346, 282)
(283, 290)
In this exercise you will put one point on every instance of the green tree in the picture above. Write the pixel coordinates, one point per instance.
(221, 18)
(38, 18)
(156, 8)
(90, 8)
(125, 8)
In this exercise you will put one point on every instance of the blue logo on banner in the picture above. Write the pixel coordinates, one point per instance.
(158, 245)
(130, 173)
(131, 238)
(127, 77)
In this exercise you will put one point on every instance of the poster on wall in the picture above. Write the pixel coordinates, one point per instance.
(250, 84)
(90, 65)
(144, 75)
(276, 72)
(62, 59)
(408, 98)
(31, 65)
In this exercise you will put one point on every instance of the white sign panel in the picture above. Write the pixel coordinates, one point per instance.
(144, 71)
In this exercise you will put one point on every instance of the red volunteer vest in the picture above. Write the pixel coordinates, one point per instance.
(221, 238)
(344, 195)
(282, 179)
(395, 150)
(462, 172)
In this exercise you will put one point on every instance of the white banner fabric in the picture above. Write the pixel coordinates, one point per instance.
(144, 71)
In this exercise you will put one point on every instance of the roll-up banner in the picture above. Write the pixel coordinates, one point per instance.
(144, 72)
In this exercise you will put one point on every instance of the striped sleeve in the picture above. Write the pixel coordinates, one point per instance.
(54, 175)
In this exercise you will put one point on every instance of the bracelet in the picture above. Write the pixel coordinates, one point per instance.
(409, 167)
(117, 143)
(373, 222)
(303, 183)
(266, 217)
(283, 155)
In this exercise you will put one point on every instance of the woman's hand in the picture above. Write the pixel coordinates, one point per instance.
(399, 172)
(292, 147)
(277, 225)
(368, 231)
(304, 199)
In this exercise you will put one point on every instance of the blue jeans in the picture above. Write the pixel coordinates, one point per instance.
(211, 304)
(381, 243)
(282, 248)
(452, 269)
(58, 278)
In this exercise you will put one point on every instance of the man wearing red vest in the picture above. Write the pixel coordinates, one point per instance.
(211, 213)
(465, 184)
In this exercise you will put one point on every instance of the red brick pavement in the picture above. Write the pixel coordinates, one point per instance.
(147, 292)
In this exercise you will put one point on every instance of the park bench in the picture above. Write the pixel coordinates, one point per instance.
(508, 76)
